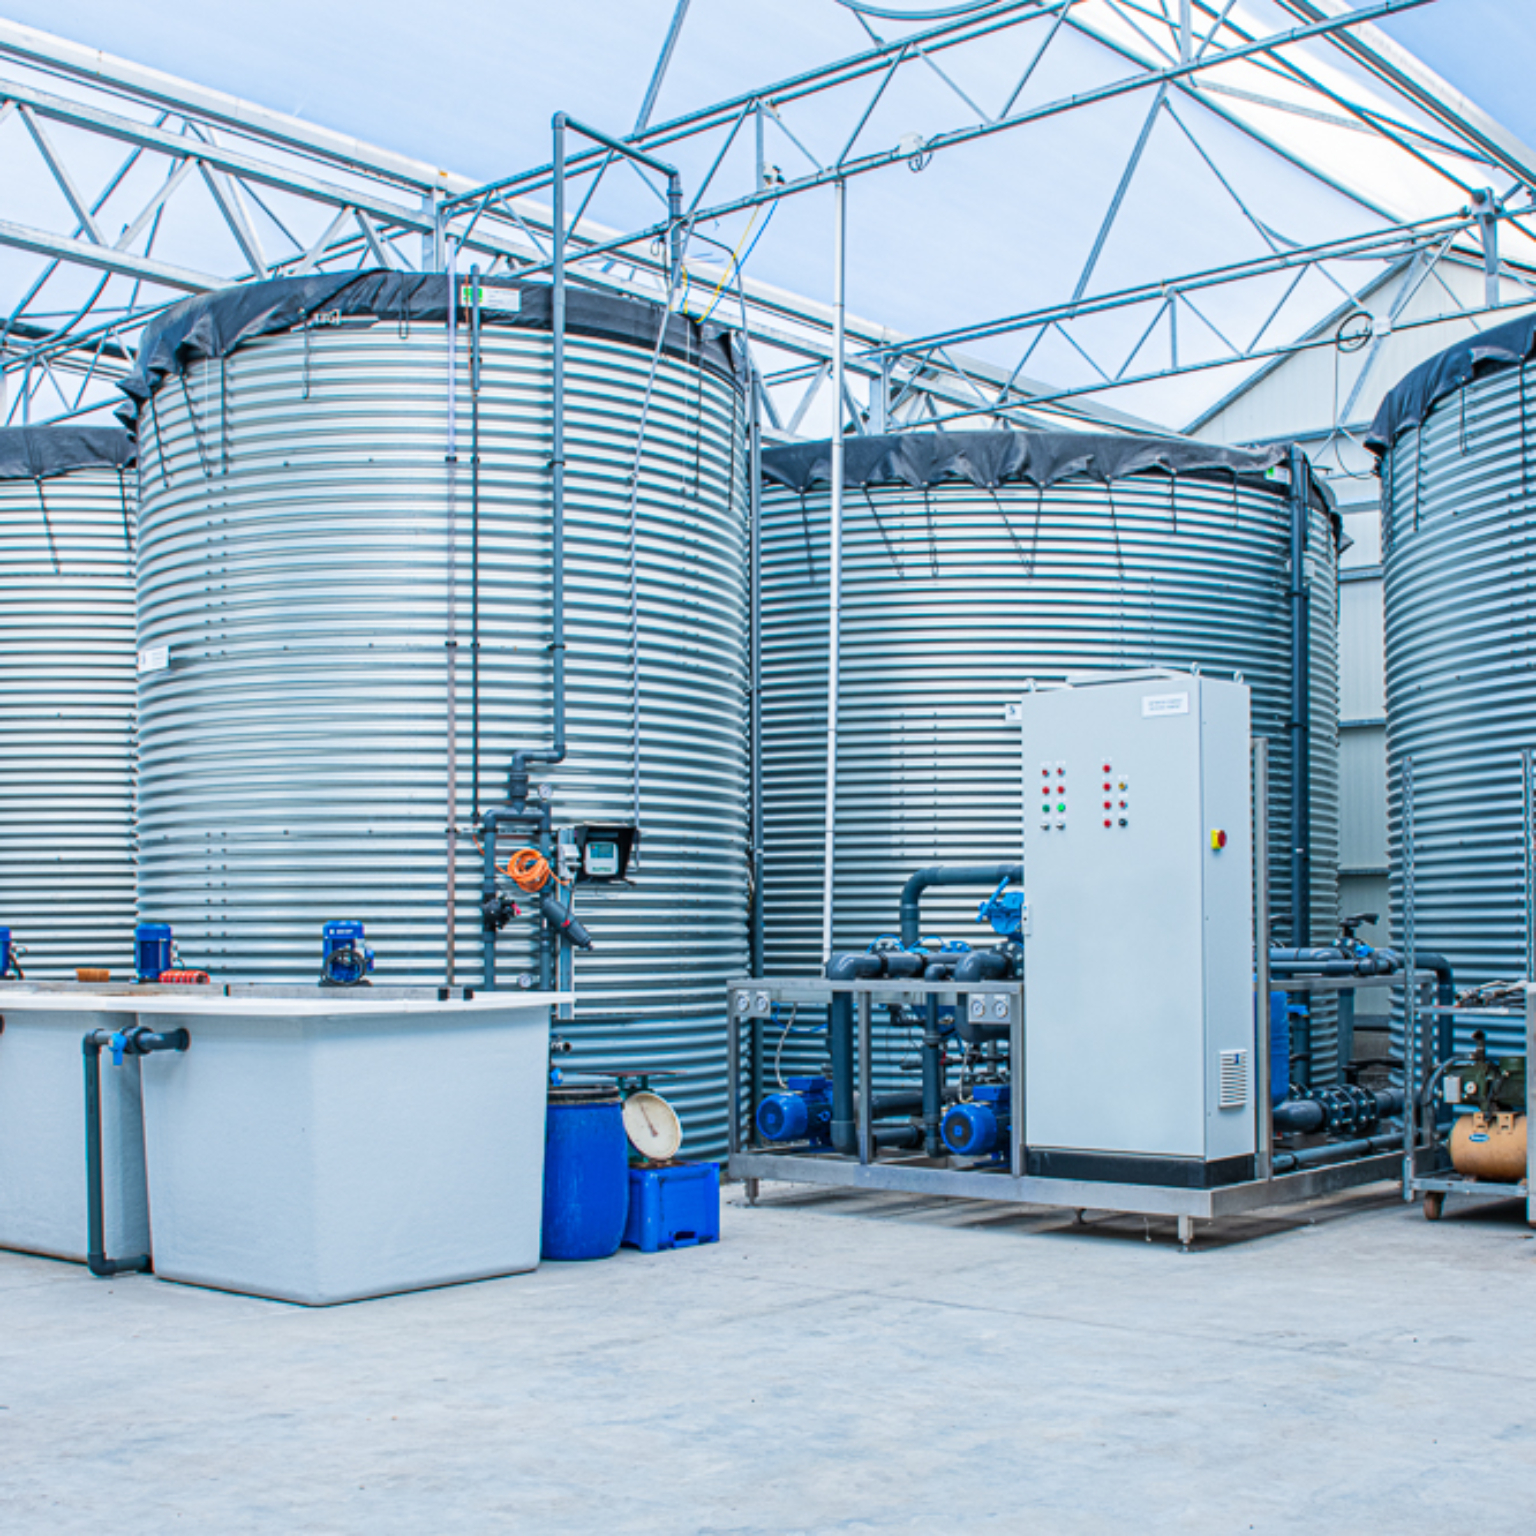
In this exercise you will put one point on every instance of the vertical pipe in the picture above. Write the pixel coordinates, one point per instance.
(474, 538)
(1264, 1139)
(733, 1075)
(1301, 756)
(755, 670)
(557, 456)
(1017, 1025)
(933, 1085)
(1530, 1141)
(451, 642)
(866, 1080)
(1528, 852)
(840, 1044)
(1410, 986)
(835, 543)
(95, 1219)
(487, 890)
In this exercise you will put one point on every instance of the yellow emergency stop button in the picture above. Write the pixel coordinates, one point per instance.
(1218, 840)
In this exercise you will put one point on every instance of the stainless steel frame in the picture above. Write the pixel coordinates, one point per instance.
(1427, 1171)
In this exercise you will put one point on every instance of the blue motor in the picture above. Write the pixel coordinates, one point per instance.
(344, 959)
(803, 1112)
(153, 951)
(980, 1125)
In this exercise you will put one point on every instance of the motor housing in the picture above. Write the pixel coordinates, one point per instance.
(802, 1112)
(979, 1125)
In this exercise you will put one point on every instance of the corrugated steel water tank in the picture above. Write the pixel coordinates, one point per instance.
(1459, 549)
(971, 563)
(67, 697)
(315, 568)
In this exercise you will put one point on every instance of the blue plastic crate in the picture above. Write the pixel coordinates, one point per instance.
(676, 1205)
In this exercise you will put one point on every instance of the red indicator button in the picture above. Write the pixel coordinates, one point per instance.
(1107, 821)
(1218, 841)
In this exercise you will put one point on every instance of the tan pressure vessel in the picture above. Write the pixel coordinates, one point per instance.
(1490, 1147)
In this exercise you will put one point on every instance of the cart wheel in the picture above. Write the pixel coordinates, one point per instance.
(1434, 1204)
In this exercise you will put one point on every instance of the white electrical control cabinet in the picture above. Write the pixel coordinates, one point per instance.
(1138, 950)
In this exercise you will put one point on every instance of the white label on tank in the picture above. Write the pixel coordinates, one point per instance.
(1165, 704)
(506, 301)
(154, 658)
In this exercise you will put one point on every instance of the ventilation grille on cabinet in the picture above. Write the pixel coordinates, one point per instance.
(1234, 1079)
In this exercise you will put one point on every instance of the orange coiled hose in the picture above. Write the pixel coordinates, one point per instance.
(529, 870)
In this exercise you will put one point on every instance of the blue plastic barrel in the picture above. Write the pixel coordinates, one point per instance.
(586, 1172)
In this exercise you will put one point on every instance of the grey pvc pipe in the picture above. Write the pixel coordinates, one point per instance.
(945, 875)
(137, 1041)
(1337, 1151)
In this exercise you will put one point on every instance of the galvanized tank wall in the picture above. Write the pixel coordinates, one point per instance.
(306, 557)
(66, 704)
(1459, 547)
(953, 595)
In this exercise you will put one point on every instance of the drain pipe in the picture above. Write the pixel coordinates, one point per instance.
(942, 875)
(1301, 666)
(134, 1041)
(515, 812)
(755, 671)
(835, 563)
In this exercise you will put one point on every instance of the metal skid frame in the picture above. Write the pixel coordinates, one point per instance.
(751, 1001)
(1427, 1170)
(1426, 1165)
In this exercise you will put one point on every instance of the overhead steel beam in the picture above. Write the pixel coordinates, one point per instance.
(1428, 91)
(41, 242)
(1148, 79)
(872, 61)
(101, 70)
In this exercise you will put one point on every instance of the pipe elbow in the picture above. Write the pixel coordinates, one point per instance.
(855, 967)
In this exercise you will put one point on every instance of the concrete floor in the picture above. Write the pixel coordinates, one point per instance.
(837, 1364)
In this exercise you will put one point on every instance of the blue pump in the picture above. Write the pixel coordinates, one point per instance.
(344, 959)
(153, 950)
(980, 1125)
(803, 1112)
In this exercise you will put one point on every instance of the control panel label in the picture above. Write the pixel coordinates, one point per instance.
(1154, 704)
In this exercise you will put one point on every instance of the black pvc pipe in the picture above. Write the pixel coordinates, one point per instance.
(136, 1041)
(1301, 693)
(563, 920)
(933, 1071)
(844, 1129)
(943, 875)
(1337, 1151)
